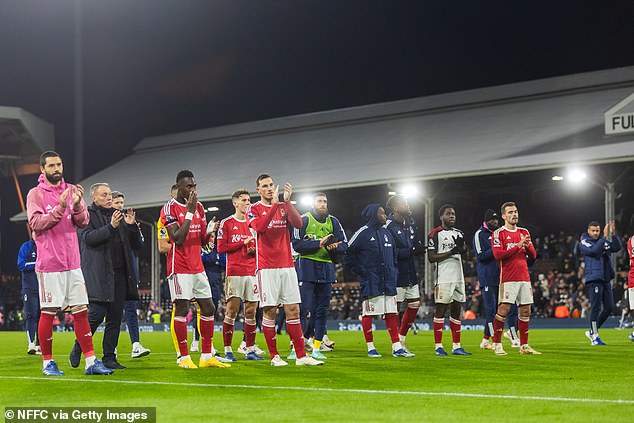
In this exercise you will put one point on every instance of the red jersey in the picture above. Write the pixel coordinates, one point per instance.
(185, 258)
(230, 241)
(630, 252)
(273, 241)
(511, 258)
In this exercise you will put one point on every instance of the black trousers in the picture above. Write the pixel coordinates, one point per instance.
(113, 313)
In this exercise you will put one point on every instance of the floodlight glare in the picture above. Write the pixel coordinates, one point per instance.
(212, 209)
(409, 191)
(576, 176)
(306, 200)
(557, 178)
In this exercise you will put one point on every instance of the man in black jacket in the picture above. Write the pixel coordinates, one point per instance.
(106, 245)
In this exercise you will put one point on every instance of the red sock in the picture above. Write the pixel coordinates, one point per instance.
(294, 329)
(391, 321)
(498, 328)
(439, 325)
(249, 333)
(180, 329)
(522, 325)
(487, 337)
(83, 334)
(227, 331)
(366, 324)
(455, 326)
(45, 334)
(268, 327)
(408, 318)
(206, 333)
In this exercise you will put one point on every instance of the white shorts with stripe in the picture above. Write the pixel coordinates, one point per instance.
(243, 287)
(446, 293)
(62, 289)
(407, 293)
(380, 305)
(520, 293)
(278, 286)
(630, 294)
(184, 286)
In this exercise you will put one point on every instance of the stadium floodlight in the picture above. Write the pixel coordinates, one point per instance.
(212, 209)
(306, 200)
(391, 193)
(576, 176)
(293, 202)
(409, 190)
(557, 178)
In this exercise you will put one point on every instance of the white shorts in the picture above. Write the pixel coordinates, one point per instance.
(185, 286)
(62, 289)
(520, 293)
(446, 293)
(630, 294)
(243, 287)
(407, 293)
(378, 306)
(278, 286)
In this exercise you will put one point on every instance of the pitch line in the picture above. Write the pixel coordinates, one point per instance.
(329, 390)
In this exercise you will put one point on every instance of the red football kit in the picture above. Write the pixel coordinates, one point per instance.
(185, 258)
(273, 242)
(511, 258)
(630, 252)
(230, 241)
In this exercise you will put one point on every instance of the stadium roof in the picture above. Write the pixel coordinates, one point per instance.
(23, 137)
(544, 123)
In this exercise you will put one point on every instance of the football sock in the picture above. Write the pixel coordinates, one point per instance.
(366, 324)
(522, 323)
(228, 325)
(268, 328)
(439, 324)
(294, 329)
(498, 328)
(206, 333)
(316, 345)
(83, 334)
(391, 321)
(45, 334)
(180, 330)
(455, 326)
(408, 317)
(249, 332)
(370, 345)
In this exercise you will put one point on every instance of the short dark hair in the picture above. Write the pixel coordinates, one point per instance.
(260, 177)
(117, 194)
(594, 223)
(184, 174)
(240, 191)
(45, 155)
(394, 199)
(444, 207)
(507, 204)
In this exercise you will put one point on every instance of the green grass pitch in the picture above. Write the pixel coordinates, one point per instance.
(571, 381)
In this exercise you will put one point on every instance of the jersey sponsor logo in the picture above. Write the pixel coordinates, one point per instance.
(237, 237)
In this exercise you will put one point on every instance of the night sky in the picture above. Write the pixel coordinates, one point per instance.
(155, 66)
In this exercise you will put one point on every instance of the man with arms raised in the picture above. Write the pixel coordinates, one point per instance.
(55, 210)
(185, 221)
(511, 247)
(236, 241)
(276, 276)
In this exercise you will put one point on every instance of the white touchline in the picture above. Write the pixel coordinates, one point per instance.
(333, 390)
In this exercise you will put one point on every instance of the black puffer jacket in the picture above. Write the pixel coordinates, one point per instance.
(96, 242)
